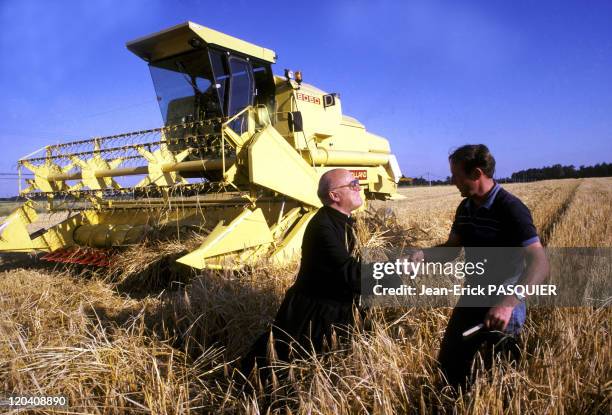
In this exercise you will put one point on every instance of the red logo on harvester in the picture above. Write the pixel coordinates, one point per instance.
(308, 98)
(360, 174)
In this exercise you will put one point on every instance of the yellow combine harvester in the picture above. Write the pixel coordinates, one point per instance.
(239, 159)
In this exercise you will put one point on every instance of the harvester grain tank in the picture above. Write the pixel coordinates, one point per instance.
(238, 159)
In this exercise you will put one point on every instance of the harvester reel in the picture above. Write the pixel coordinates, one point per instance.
(41, 177)
(157, 159)
(91, 165)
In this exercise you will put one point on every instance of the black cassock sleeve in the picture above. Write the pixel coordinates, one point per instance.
(328, 258)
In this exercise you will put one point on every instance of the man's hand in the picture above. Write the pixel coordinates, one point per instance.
(535, 273)
(497, 317)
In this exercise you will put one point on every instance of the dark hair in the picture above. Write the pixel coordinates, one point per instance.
(471, 156)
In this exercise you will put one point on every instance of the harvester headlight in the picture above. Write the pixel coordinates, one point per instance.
(289, 74)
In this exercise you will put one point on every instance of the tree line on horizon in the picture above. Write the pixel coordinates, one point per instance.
(556, 171)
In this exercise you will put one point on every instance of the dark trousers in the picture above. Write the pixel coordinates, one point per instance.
(457, 353)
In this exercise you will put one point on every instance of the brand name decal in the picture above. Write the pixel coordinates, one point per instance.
(308, 98)
(360, 174)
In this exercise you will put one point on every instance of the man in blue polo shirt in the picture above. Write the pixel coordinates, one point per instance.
(493, 226)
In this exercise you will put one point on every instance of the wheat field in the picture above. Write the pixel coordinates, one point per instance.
(147, 337)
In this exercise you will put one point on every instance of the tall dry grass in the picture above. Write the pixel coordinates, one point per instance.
(79, 339)
(126, 345)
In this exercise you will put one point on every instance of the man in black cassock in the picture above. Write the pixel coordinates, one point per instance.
(328, 282)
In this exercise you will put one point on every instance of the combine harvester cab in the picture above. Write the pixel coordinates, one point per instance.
(238, 159)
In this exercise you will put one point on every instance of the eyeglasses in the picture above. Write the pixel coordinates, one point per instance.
(353, 185)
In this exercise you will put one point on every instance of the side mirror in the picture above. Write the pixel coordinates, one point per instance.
(294, 119)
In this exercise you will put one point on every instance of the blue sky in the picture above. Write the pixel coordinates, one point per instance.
(531, 79)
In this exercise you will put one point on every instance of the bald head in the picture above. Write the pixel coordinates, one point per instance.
(331, 180)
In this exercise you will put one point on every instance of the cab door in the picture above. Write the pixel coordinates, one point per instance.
(241, 91)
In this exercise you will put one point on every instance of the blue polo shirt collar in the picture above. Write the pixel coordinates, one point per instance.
(490, 199)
